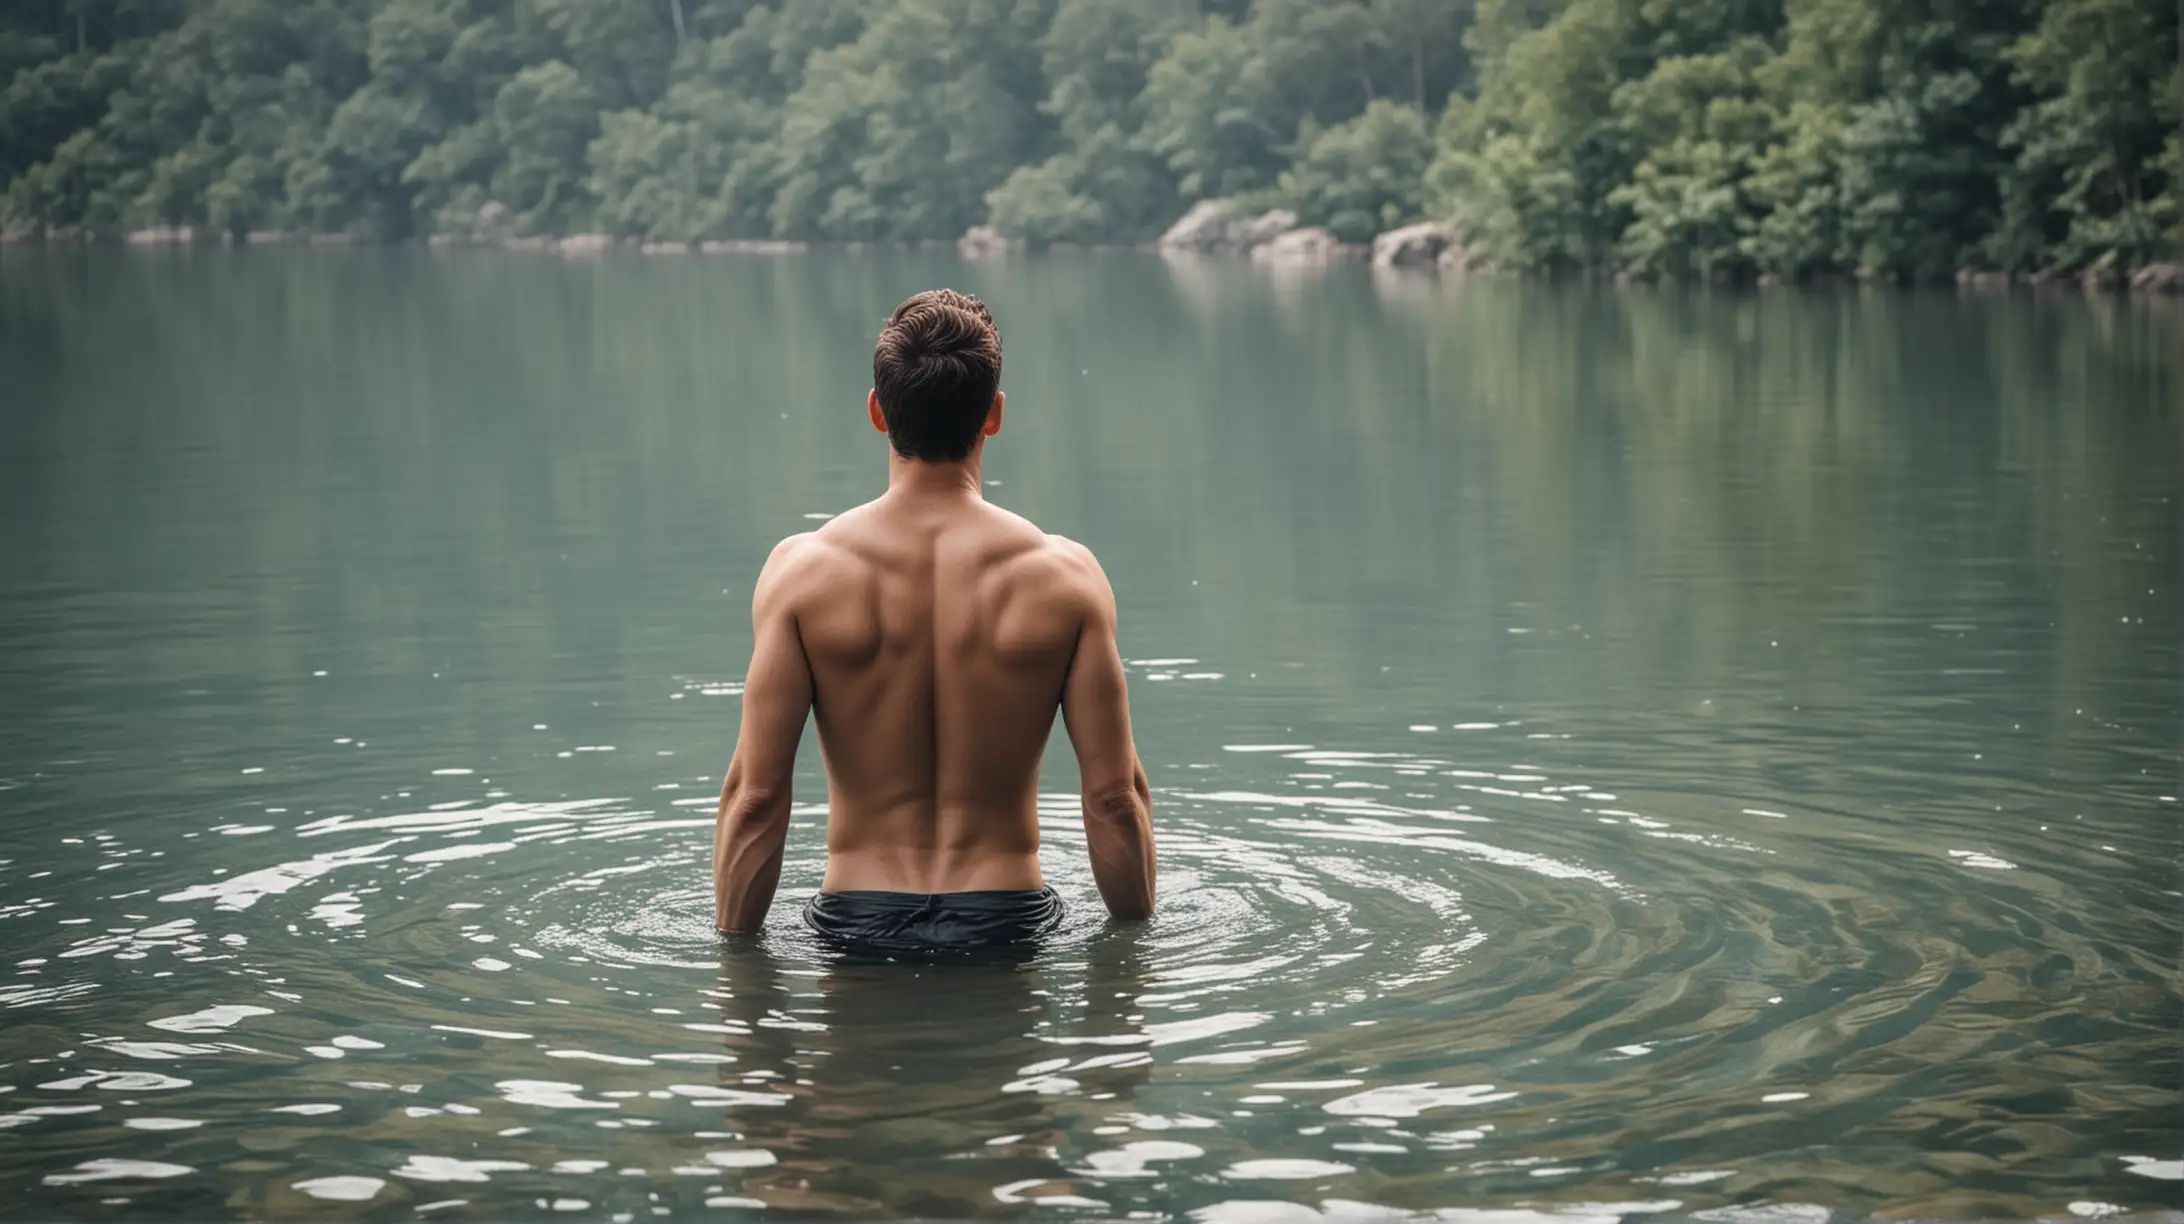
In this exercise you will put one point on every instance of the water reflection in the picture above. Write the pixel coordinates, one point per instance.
(975, 1060)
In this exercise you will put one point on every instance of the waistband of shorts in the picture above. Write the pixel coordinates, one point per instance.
(886, 895)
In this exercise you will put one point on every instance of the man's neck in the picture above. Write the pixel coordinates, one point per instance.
(920, 479)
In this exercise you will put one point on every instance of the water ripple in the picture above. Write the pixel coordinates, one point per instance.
(1367, 965)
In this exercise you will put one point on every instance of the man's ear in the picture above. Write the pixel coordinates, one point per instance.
(993, 414)
(872, 410)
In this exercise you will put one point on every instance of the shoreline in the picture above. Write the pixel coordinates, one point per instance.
(2152, 280)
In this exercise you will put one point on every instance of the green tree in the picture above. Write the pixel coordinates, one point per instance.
(1364, 175)
(545, 118)
(902, 133)
(1702, 126)
(51, 152)
(2094, 178)
(1912, 103)
(1899, 139)
(1107, 180)
(1233, 103)
(1527, 169)
(1201, 119)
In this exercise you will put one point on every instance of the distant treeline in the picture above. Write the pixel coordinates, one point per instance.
(1679, 138)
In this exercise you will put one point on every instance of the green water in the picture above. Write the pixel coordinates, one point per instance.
(1615, 752)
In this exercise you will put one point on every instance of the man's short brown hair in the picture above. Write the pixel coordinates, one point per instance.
(936, 368)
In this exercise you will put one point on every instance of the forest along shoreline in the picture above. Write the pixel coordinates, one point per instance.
(1211, 229)
(1709, 141)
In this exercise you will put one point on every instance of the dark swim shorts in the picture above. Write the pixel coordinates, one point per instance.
(933, 922)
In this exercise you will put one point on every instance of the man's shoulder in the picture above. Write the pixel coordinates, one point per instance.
(1074, 555)
(799, 566)
(1019, 540)
(793, 554)
(1066, 570)
(840, 539)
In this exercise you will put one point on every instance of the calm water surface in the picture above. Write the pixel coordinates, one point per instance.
(1615, 753)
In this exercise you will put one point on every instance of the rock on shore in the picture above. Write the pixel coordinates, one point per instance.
(984, 242)
(1200, 229)
(1260, 230)
(1412, 246)
(494, 224)
(1457, 259)
(752, 246)
(1311, 245)
(162, 235)
(1209, 228)
(2158, 278)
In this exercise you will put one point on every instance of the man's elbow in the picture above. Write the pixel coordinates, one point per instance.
(1119, 791)
(1122, 806)
(748, 801)
(751, 820)
(1119, 828)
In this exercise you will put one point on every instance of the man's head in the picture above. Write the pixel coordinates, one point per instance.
(936, 376)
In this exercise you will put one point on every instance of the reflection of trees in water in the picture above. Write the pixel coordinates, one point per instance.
(885, 1063)
(1796, 468)
(399, 447)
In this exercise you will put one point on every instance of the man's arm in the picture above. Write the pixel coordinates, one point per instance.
(1118, 805)
(752, 825)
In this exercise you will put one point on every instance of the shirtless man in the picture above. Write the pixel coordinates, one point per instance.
(934, 635)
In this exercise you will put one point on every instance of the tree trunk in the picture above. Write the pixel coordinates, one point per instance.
(674, 8)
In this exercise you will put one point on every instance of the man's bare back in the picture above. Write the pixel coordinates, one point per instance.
(934, 636)
(940, 631)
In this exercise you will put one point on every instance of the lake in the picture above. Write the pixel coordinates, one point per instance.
(1615, 752)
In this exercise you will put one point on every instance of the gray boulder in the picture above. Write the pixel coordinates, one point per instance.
(1456, 259)
(984, 242)
(1412, 246)
(1260, 230)
(1311, 245)
(494, 225)
(752, 246)
(2159, 278)
(1210, 228)
(2106, 273)
(586, 244)
(1204, 228)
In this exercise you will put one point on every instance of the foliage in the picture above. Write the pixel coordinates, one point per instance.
(1106, 181)
(1898, 139)
(1738, 137)
(2095, 171)
(1362, 176)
